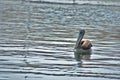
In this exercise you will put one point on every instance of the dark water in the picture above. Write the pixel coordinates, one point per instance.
(37, 41)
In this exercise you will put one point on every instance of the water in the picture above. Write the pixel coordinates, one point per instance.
(37, 41)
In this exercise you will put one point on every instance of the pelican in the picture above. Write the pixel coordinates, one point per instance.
(82, 48)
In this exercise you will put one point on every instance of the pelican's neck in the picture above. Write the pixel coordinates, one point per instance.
(79, 39)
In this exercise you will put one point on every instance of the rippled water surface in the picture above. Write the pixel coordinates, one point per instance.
(37, 41)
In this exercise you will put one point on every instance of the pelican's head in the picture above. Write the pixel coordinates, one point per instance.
(80, 37)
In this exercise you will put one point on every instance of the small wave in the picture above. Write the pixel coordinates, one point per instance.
(96, 3)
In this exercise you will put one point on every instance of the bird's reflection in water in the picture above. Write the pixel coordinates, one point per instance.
(26, 77)
(81, 54)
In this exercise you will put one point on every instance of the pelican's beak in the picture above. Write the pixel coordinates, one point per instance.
(80, 37)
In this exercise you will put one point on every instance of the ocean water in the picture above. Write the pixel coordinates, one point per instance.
(37, 40)
(87, 2)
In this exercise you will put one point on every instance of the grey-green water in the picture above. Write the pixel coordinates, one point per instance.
(37, 41)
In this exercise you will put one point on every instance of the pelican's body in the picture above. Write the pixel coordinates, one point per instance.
(82, 48)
